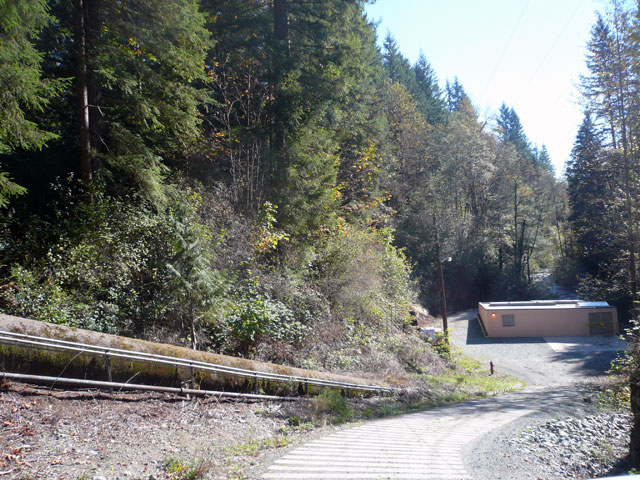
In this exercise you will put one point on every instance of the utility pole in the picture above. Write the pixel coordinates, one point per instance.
(443, 296)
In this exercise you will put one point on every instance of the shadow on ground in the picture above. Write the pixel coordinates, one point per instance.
(553, 400)
(586, 363)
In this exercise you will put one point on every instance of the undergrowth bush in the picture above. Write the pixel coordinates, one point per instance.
(121, 267)
(332, 406)
(364, 276)
(196, 272)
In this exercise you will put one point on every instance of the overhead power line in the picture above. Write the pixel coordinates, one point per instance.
(506, 47)
(546, 55)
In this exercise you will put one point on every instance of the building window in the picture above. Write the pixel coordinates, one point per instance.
(508, 320)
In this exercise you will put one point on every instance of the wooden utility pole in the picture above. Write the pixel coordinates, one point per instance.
(443, 296)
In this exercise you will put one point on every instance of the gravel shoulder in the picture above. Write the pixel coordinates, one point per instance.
(572, 438)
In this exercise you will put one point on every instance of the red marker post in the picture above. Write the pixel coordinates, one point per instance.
(491, 367)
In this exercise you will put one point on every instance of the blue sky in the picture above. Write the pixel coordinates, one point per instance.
(527, 53)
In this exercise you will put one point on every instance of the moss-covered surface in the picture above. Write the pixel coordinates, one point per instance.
(70, 364)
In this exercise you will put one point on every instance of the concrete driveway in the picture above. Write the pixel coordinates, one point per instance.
(537, 361)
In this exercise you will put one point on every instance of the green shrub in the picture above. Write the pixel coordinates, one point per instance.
(332, 404)
(364, 276)
(122, 267)
(253, 318)
(178, 469)
(27, 297)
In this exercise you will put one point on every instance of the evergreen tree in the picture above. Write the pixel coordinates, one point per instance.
(24, 92)
(543, 160)
(590, 185)
(455, 94)
(299, 117)
(610, 60)
(511, 131)
(429, 100)
(335, 61)
(599, 87)
(396, 65)
(135, 68)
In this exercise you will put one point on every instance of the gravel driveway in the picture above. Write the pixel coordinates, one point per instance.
(566, 434)
(537, 361)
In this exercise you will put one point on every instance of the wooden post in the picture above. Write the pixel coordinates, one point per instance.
(107, 360)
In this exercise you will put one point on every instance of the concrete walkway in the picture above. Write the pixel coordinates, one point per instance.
(424, 445)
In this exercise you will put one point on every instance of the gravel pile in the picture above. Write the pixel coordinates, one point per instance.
(575, 447)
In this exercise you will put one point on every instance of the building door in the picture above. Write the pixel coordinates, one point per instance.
(601, 323)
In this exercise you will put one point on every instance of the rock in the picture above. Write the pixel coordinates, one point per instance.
(582, 446)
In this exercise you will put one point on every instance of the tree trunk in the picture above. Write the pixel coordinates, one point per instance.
(631, 242)
(521, 249)
(634, 383)
(515, 229)
(82, 94)
(281, 55)
(194, 343)
(192, 313)
(559, 233)
(531, 248)
(94, 89)
(281, 26)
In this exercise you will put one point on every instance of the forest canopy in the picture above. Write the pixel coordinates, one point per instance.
(250, 175)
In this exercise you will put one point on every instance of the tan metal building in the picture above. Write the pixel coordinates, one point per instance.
(547, 318)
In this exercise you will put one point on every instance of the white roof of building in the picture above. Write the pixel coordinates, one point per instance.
(543, 304)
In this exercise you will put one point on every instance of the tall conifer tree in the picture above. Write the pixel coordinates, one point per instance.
(23, 90)
(455, 94)
(590, 185)
(429, 100)
(136, 68)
